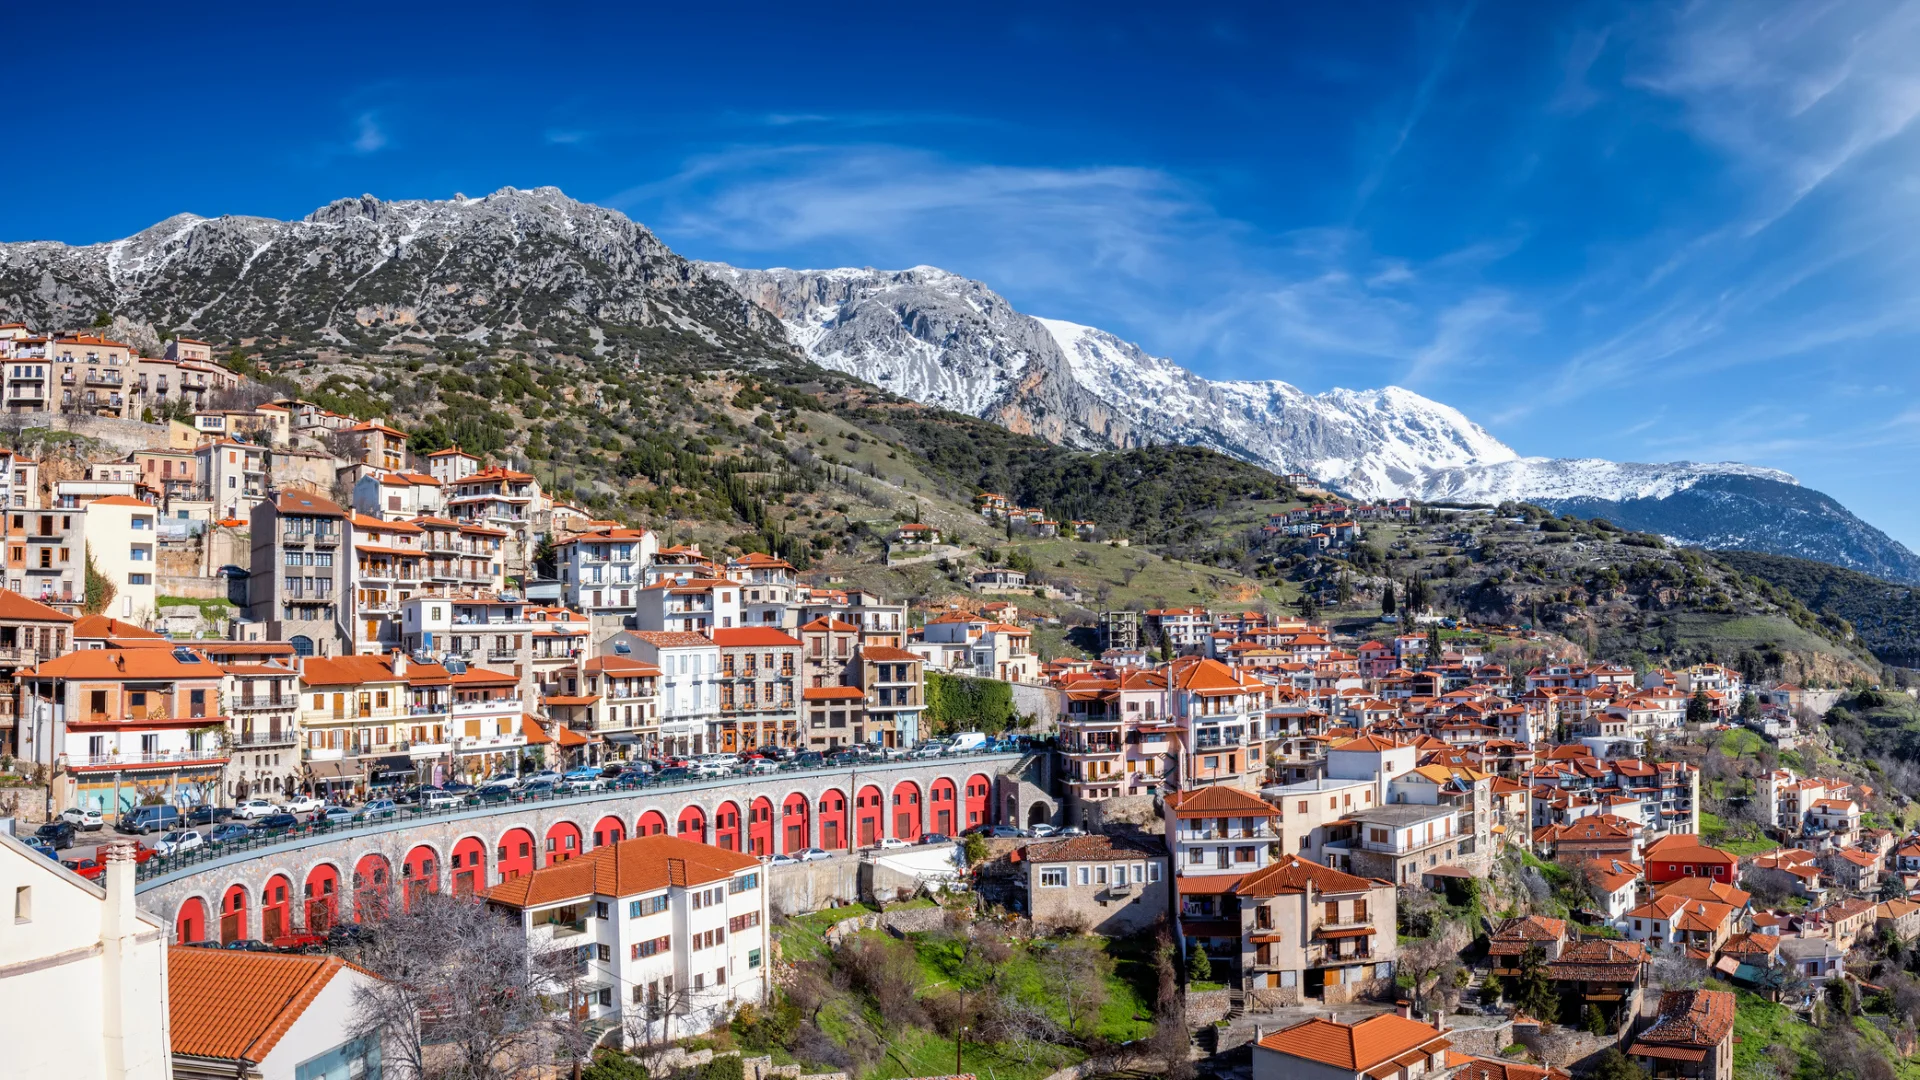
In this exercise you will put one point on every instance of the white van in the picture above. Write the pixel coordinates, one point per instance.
(966, 742)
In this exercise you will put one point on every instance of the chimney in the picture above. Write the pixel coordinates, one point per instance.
(1403, 1009)
(122, 996)
(399, 664)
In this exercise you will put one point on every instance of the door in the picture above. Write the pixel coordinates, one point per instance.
(830, 835)
(943, 822)
(463, 883)
(229, 926)
(272, 924)
(868, 826)
(318, 921)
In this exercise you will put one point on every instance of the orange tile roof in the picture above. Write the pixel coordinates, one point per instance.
(345, 670)
(13, 606)
(100, 626)
(1696, 1018)
(238, 1005)
(1368, 743)
(1355, 1047)
(1292, 874)
(669, 639)
(631, 867)
(120, 500)
(887, 653)
(755, 636)
(123, 664)
(831, 693)
(1220, 801)
(300, 502)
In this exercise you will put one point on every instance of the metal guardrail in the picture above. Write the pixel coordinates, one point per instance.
(262, 840)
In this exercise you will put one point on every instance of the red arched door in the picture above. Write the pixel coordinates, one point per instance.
(795, 831)
(726, 826)
(515, 855)
(906, 811)
(233, 914)
(190, 925)
(563, 842)
(651, 823)
(760, 826)
(610, 830)
(943, 806)
(276, 909)
(372, 888)
(976, 796)
(833, 820)
(869, 813)
(469, 867)
(321, 895)
(419, 875)
(692, 825)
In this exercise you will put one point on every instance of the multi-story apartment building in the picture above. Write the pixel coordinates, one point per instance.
(1216, 836)
(122, 541)
(458, 559)
(502, 499)
(172, 473)
(485, 735)
(235, 474)
(769, 586)
(1115, 738)
(827, 646)
(878, 622)
(1399, 843)
(298, 588)
(895, 687)
(671, 935)
(452, 465)
(832, 717)
(399, 496)
(93, 372)
(689, 666)
(113, 726)
(1221, 716)
(1180, 629)
(377, 446)
(29, 632)
(759, 673)
(697, 605)
(387, 560)
(263, 735)
(602, 570)
(349, 706)
(46, 556)
(28, 374)
(616, 700)
(1312, 933)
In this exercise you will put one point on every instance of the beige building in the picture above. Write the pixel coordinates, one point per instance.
(123, 542)
(83, 972)
(1110, 885)
(1311, 933)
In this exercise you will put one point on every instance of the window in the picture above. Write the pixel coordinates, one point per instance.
(1054, 877)
(652, 947)
(605, 952)
(1085, 875)
(650, 905)
(23, 904)
(744, 883)
(1153, 872)
(753, 959)
(600, 912)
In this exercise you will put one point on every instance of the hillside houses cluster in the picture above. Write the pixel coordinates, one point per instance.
(996, 507)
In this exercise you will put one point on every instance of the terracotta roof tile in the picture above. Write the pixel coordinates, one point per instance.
(238, 1005)
(1355, 1047)
(642, 864)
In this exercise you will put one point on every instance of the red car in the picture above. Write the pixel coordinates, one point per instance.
(91, 869)
(299, 942)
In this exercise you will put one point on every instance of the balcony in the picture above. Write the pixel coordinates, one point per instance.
(157, 758)
(249, 705)
(326, 539)
(253, 740)
(1257, 832)
(104, 378)
(502, 654)
(491, 705)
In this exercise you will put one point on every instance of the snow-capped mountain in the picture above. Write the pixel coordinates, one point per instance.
(945, 340)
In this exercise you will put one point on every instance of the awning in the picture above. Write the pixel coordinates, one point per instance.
(395, 765)
(624, 738)
(1353, 931)
(339, 769)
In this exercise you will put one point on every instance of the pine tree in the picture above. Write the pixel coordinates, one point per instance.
(1533, 993)
(1386, 599)
(1199, 967)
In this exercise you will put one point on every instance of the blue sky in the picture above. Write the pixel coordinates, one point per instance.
(1639, 231)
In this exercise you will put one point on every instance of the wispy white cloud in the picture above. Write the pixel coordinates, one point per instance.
(369, 136)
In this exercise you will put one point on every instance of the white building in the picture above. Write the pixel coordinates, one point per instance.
(83, 973)
(292, 1022)
(604, 570)
(689, 685)
(674, 933)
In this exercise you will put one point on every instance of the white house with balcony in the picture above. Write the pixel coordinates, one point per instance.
(697, 605)
(688, 685)
(660, 937)
(603, 570)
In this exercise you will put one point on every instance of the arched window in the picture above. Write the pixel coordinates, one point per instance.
(302, 645)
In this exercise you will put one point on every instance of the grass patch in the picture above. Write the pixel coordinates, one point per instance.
(804, 937)
(915, 1052)
(1760, 1025)
(1740, 742)
(211, 610)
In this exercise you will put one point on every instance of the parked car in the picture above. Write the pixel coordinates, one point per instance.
(87, 868)
(505, 779)
(457, 787)
(42, 847)
(537, 789)
(813, 854)
(303, 804)
(1042, 831)
(179, 840)
(709, 770)
(929, 750)
(761, 767)
(892, 843)
(247, 945)
(596, 782)
(332, 815)
(89, 820)
(550, 776)
(674, 773)
(59, 834)
(936, 838)
(209, 815)
(346, 933)
(1005, 832)
(967, 742)
(808, 759)
(300, 943)
(493, 793)
(584, 772)
(231, 830)
(146, 819)
(1071, 830)
(274, 824)
(253, 809)
(781, 860)
(376, 810)
(436, 799)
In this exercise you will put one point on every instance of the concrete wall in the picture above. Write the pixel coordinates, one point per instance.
(393, 840)
(1041, 702)
(810, 886)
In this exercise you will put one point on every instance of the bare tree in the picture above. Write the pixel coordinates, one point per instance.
(1075, 976)
(1424, 964)
(460, 993)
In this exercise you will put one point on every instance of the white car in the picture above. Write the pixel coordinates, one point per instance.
(813, 854)
(761, 767)
(254, 808)
(548, 775)
(587, 783)
(304, 804)
(506, 780)
(780, 860)
(712, 769)
(1039, 832)
(893, 843)
(439, 800)
(174, 843)
(89, 820)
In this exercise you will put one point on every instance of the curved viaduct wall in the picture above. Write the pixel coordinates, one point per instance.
(313, 881)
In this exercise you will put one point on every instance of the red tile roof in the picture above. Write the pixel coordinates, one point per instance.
(1356, 1047)
(238, 1005)
(640, 865)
